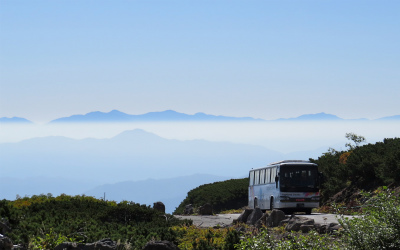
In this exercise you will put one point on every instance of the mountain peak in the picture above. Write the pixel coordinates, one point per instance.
(314, 117)
(14, 120)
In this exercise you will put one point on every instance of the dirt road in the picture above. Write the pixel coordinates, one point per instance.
(222, 220)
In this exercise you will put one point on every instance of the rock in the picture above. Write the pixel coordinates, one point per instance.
(159, 206)
(295, 223)
(188, 209)
(321, 229)
(70, 246)
(243, 217)
(160, 245)
(206, 209)
(333, 228)
(283, 222)
(262, 221)
(104, 244)
(306, 228)
(275, 218)
(254, 216)
(5, 243)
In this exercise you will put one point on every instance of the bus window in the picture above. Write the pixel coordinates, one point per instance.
(251, 177)
(262, 176)
(268, 175)
(257, 177)
(273, 174)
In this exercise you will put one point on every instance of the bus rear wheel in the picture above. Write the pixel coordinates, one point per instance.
(308, 210)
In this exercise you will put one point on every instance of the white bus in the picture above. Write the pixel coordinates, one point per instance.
(291, 185)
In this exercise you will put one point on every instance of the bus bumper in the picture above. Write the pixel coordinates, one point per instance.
(296, 205)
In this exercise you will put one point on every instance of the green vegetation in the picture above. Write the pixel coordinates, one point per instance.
(361, 167)
(378, 228)
(379, 225)
(44, 221)
(224, 195)
(265, 240)
(193, 238)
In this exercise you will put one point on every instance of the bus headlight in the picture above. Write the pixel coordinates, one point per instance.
(284, 198)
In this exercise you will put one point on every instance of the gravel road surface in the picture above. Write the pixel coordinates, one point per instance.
(222, 220)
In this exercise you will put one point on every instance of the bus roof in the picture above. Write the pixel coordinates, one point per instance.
(288, 162)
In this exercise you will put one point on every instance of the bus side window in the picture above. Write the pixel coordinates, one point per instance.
(262, 176)
(268, 175)
(251, 177)
(273, 174)
(257, 177)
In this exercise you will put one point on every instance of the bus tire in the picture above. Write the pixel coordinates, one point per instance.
(255, 203)
(308, 211)
(271, 204)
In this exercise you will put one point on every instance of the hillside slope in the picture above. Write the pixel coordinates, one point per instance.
(223, 195)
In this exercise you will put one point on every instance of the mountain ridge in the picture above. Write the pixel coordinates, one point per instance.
(167, 115)
(174, 116)
(15, 120)
(131, 155)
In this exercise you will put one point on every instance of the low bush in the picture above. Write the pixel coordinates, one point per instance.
(194, 238)
(45, 221)
(266, 240)
(379, 225)
(223, 195)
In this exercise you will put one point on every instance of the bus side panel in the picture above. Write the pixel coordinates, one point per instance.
(251, 197)
(263, 193)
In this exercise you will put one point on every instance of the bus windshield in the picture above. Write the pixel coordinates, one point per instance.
(299, 178)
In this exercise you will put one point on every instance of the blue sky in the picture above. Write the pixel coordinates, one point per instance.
(265, 59)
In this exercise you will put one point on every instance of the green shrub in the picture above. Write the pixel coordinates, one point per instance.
(194, 238)
(379, 225)
(44, 221)
(266, 241)
(223, 195)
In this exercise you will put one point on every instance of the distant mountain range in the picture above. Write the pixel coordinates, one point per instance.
(173, 116)
(14, 120)
(168, 115)
(131, 155)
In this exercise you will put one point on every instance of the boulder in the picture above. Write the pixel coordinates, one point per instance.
(330, 228)
(160, 245)
(243, 217)
(262, 221)
(104, 244)
(306, 228)
(5, 243)
(188, 209)
(159, 206)
(70, 246)
(295, 223)
(275, 218)
(333, 228)
(255, 215)
(206, 209)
